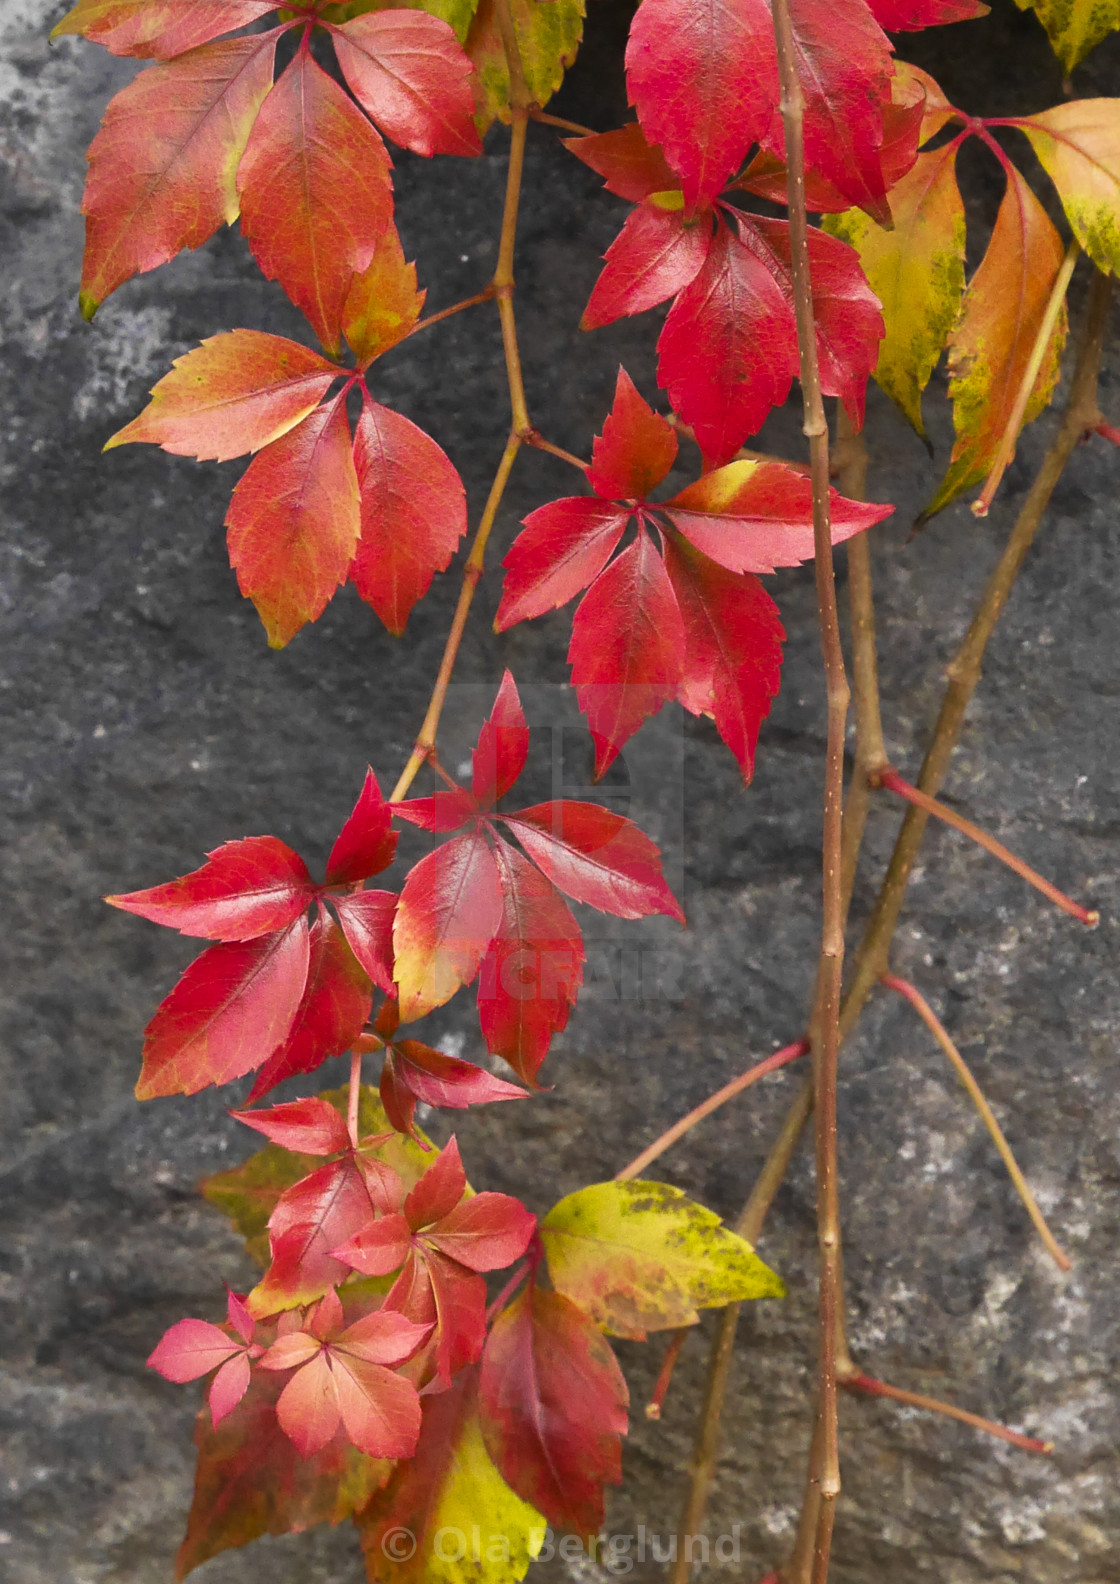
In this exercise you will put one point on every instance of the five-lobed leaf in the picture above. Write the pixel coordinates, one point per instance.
(640, 1256)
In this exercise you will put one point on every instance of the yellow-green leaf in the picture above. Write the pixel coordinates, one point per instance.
(383, 303)
(641, 1256)
(989, 351)
(447, 1516)
(548, 36)
(916, 271)
(248, 1193)
(1079, 146)
(1074, 27)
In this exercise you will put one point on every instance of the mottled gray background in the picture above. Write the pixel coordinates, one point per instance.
(145, 720)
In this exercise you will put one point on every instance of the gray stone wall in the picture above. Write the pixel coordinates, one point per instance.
(144, 721)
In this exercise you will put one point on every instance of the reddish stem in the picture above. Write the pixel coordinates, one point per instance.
(893, 782)
(355, 1094)
(665, 1374)
(1107, 431)
(712, 1103)
(877, 1388)
(507, 1291)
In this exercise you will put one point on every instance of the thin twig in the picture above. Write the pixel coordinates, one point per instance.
(355, 1095)
(870, 1387)
(893, 782)
(669, 1359)
(1010, 438)
(536, 114)
(826, 1016)
(760, 1069)
(486, 295)
(541, 444)
(976, 1095)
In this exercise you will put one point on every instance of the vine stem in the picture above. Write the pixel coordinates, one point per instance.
(929, 1017)
(825, 1029)
(780, 1058)
(501, 287)
(893, 782)
(1081, 415)
(870, 1387)
(485, 295)
(1010, 437)
(355, 1095)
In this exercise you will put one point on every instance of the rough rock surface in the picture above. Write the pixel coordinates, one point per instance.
(145, 721)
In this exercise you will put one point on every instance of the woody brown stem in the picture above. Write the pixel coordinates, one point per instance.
(825, 1028)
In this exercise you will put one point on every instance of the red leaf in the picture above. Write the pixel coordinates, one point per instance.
(635, 450)
(414, 1071)
(564, 547)
(907, 16)
(704, 81)
(485, 1233)
(503, 745)
(654, 256)
(844, 63)
(228, 1013)
(234, 393)
(380, 1411)
(439, 1190)
(162, 168)
(335, 1006)
(441, 813)
(629, 165)
(413, 513)
(294, 522)
(247, 888)
(308, 1127)
(596, 856)
(849, 320)
(228, 1387)
(533, 970)
(192, 1348)
(448, 913)
(378, 1249)
(367, 922)
(626, 646)
(311, 1219)
(410, 73)
(733, 653)
(162, 28)
(553, 1405)
(728, 351)
(756, 516)
(315, 192)
(459, 1299)
(365, 844)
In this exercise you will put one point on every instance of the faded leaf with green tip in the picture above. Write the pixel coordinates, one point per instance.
(548, 35)
(248, 1193)
(251, 1481)
(1078, 145)
(1074, 27)
(641, 1256)
(450, 1488)
(916, 271)
(383, 303)
(991, 347)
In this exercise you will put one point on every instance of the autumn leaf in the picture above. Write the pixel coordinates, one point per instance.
(553, 1406)
(629, 164)
(640, 1256)
(383, 302)
(449, 1488)
(315, 192)
(410, 74)
(991, 346)
(162, 28)
(252, 1481)
(192, 1348)
(235, 393)
(294, 522)
(916, 271)
(548, 34)
(413, 1071)
(163, 167)
(1078, 145)
(1074, 27)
